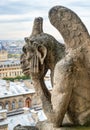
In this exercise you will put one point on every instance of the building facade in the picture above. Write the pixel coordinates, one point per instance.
(16, 102)
(3, 120)
(17, 95)
(10, 68)
(3, 53)
(4, 127)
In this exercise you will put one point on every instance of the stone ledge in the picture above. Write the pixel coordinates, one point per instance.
(48, 126)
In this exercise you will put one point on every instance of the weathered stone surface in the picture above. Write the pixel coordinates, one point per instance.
(19, 127)
(69, 25)
(70, 68)
(48, 126)
(72, 73)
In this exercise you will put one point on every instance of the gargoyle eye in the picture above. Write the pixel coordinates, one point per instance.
(24, 49)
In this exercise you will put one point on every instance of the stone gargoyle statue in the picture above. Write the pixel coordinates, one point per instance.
(69, 64)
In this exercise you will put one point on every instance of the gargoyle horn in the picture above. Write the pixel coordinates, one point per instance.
(37, 26)
(69, 25)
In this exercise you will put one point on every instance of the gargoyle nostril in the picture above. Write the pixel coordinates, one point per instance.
(22, 61)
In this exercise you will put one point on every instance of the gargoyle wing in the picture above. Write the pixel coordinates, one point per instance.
(69, 25)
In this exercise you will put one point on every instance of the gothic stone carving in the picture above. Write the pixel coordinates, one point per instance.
(70, 67)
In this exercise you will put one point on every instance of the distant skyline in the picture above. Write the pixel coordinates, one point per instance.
(16, 16)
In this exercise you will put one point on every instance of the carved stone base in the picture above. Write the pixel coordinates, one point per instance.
(48, 126)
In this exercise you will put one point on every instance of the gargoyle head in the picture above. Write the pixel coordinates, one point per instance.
(33, 53)
(40, 52)
(33, 56)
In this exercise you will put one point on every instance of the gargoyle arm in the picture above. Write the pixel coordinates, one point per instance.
(40, 86)
(56, 103)
(61, 93)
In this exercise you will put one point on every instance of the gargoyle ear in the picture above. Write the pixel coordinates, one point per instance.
(41, 53)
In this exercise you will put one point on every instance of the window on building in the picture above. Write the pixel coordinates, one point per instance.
(1, 107)
(7, 106)
(13, 105)
(20, 104)
(28, 102)
(15, 73)
(10, 73)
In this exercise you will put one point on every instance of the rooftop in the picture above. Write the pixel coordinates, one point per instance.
(10, 62)
(13, 89)
(8, 89)
(25, 119)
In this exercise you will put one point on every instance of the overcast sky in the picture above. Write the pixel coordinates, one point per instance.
(16, 16)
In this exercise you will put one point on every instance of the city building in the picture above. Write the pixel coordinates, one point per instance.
(3, 53)
(20, 104)
(15, 99)
(15, 95)
(10, 68)
(27, 118)
(3, 120)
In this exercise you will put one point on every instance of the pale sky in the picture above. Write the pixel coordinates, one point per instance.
(16, 16)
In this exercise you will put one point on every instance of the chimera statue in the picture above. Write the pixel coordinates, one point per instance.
(69, 64)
